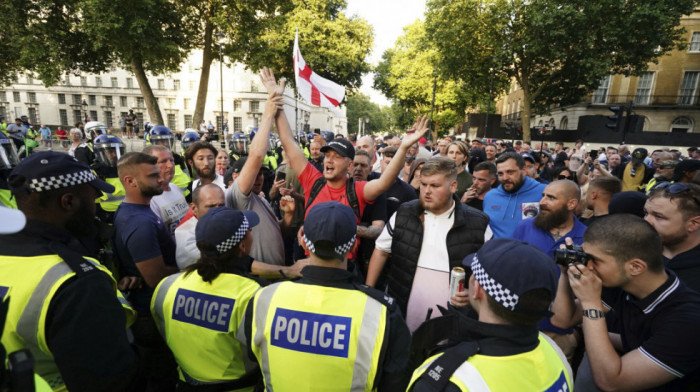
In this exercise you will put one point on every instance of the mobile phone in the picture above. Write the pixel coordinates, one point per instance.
(593, 154)
(317, 131)
(280, 176)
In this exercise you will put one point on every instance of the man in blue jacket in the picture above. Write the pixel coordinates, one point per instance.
(516, 198)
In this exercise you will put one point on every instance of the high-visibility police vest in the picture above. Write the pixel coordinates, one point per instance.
(202, 323)
(309, 337)
(3, 128)
(111, 201)
(270, 162)
(651, 184)
(182, 180)
(6, 199)
(31, 294)
(307, 154)
(543, 369)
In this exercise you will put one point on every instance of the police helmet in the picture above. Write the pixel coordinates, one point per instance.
(161, 135)
(8, 154)
(189, 138)
(239, 143)
(108, 150)
(147, 126)
(93, 129)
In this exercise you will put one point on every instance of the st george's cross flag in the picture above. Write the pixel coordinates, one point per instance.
(313, 88)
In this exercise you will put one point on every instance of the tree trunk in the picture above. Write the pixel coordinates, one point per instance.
(525, 116)
(207, 58)
(150, 99)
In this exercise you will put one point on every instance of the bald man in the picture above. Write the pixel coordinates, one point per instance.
(367, 143)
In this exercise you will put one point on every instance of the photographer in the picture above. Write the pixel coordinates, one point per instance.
(645, 313)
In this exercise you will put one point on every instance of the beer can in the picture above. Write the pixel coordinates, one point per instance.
(457, 277)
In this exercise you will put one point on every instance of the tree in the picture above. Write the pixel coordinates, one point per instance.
(360, 106)
(556, 50)
(142, 35)
(406, 74)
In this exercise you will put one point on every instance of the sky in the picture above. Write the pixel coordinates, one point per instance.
(388, 18)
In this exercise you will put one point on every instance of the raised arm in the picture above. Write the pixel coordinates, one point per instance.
(376, 187)
(295, 157)
(260, 144)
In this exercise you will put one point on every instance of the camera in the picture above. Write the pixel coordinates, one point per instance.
(568, 257)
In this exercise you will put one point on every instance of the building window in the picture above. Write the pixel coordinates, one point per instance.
(33, 117)
(220, 123)
(76, 99)
(93, 100)
(67, 81)
(644, 85)
(98, 81)
(93, 115)
(3, 96)
(695, 42)
(253, 87)
(108, 100)
(16, 97)
(688, 87)
(237, 124)
(83, 80)
(122, 102)
(62, 99)
(254, 106)
(108, 119)
(115, 82)
(172, 121)
(186, 103)
(188, 121)
(31, 97)
(176, 84)
(63, 115)
(237, 105)
(564, 123)
(77, 116)
(139, 102)
(191, 85)
(171, 102)
(3, 111)
(30, 80)
(601, 94)
(190, 68)
(139, 115)
(129, 83)
(161, 84)
(682, 125)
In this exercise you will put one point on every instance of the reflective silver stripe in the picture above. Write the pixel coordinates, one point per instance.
(111, 198)
(28, 324)
(160, 299)
(248, 364)
(471, 378)
(262, 306)
(365, 344)
(561, 355)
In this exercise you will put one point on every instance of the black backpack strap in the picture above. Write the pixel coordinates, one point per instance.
(437, 375)
(315, 189)
(352, 197)
(75, 260)
(380, 296)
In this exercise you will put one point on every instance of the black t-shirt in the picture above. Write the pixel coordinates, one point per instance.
(373, 212)
(476, 203)
(663, 326)
(687, 267)
(399, 193)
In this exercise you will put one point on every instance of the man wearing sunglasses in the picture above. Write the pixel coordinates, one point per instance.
(674, 212)
(634, 174)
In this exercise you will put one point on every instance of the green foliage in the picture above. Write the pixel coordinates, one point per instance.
(359, 106)
(557, 51)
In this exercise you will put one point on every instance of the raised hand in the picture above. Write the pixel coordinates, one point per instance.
(419, 129)
(267, 77)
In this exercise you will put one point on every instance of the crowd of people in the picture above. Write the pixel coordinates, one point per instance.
(324, 262)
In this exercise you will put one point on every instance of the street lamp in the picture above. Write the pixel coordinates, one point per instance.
(306, 120)
(220, 41)
(84, 105)
(366, 122)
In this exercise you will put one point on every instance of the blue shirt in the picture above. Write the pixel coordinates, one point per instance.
(139, 235)
(506, 210)
(544, 241)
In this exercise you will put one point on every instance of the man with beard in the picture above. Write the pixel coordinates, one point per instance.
(170, 206)
(202, 158)
(674, 212)
(146, 250)
(547, 231)
(483, 179)
(515, 199)
(426, 238)
(64, 307)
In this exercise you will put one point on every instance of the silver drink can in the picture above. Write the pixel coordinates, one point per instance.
(457, 280)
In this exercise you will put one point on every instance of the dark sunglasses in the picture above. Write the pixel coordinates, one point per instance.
(563, 177)
(676, 188)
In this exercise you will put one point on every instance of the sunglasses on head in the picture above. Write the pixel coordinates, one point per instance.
(676, 188)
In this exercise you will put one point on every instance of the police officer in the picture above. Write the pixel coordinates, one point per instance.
(93, 129)
(511, 288)
(327, 331)
(161, 135)
(238, 147)
(202, 308)
(8, 160)
(108, 149)
(189, 138)
(65, 308)
(3, 125)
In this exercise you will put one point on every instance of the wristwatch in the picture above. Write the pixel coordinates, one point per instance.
(594, 314)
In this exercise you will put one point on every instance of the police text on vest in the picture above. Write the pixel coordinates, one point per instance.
(204, 310)
(312, 333)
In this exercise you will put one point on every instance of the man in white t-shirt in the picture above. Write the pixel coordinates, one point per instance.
(170, 206)
(426, 238)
